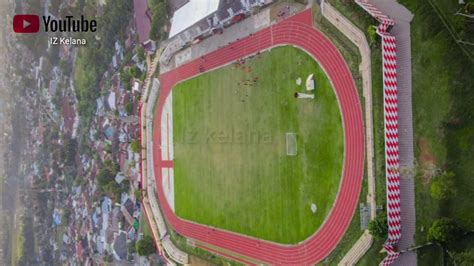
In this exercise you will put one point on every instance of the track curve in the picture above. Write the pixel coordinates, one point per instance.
(297, 31)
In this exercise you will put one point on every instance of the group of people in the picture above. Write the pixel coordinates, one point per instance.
(247, 82)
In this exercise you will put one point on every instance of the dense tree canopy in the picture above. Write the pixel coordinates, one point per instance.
(146, 246)
(93, 61)
(159, 9)
(444, 231)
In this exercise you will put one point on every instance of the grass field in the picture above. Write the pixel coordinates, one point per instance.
(231, 166)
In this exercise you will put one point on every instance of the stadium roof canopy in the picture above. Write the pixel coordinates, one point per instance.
(191, 13)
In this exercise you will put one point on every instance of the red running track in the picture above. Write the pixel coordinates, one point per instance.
(296, 31)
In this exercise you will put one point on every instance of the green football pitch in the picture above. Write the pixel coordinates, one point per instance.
(232, 166)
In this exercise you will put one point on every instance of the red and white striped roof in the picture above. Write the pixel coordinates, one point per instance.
(392, 160)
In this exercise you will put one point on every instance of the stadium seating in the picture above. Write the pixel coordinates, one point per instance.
(392, 161)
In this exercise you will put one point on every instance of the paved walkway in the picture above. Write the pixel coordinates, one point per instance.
(358, 38)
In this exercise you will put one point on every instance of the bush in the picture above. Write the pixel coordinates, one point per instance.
(378, 227)
(372, 31)
(443, 186)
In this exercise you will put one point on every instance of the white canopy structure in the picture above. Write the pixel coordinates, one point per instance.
(310, 83)
(191, 13)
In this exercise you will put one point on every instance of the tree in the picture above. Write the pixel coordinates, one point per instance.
(113, 190)
(134, 72)
(129, 108)
(69, 151)
(443, 186)
(135, 146)
(159, 9)
(112, 166)
(108, 148)
(104, 177)
(444, 231)
(138, 194)
(126, 79)
(65, 67)
(106, 180)
(465, 258)
(146, 246)
(141, 53)
(107, 173)
(132, 247)
(67, 215)
(378, 226)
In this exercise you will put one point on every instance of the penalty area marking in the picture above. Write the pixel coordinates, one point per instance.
(291, 146)
(167, 151)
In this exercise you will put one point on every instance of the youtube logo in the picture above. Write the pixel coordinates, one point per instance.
(26, 23)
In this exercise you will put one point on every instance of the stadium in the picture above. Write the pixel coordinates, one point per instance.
(258, 146)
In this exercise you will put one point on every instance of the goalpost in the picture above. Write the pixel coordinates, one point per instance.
(291, 147)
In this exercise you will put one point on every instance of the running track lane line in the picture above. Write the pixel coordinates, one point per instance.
(292, 31)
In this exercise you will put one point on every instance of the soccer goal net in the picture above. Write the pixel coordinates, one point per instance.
(291, 147)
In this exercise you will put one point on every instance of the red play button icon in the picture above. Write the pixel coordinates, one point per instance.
(26, 23)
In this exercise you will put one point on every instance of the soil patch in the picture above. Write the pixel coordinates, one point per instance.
(427, 161)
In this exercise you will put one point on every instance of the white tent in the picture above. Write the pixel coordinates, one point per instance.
(191, 13)
(310, 83)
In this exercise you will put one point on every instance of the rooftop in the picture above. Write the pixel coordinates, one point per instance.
(191, 13)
